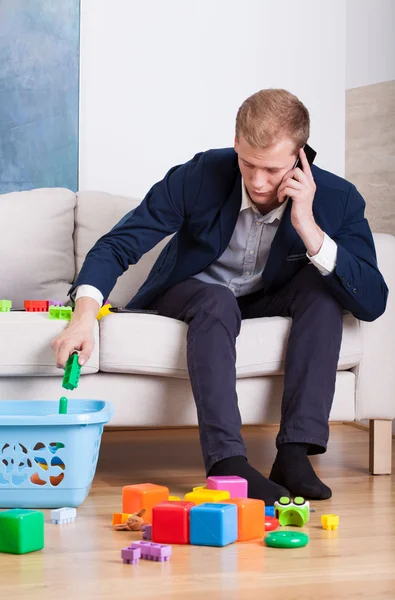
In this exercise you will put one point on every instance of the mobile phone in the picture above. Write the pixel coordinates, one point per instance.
(310, 155)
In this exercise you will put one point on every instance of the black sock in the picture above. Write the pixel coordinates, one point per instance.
(258, 486)
(292, 469)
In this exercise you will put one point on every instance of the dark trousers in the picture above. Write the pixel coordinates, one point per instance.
(214, 316)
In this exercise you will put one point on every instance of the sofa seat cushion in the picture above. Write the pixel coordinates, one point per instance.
(25, 339)
(151, 344)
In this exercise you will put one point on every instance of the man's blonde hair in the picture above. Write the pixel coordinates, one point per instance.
(271, 115)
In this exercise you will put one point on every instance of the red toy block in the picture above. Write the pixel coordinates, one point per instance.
(143, 495)
(36, 305)
(170, 522)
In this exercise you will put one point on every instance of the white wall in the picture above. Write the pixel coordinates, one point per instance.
(162, 80)
(370, 42)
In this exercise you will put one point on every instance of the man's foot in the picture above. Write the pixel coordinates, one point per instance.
(258, 486)
(292, 469)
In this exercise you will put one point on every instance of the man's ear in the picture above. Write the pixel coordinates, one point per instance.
(236, 145)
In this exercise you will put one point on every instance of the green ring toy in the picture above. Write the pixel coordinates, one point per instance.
(286, 539)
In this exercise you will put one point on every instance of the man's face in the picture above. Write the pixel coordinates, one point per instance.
(264, 169)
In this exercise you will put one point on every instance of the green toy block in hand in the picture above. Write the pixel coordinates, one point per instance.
(292, 513)
(21, 531)
(71, 373)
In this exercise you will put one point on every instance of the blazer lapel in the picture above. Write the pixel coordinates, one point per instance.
(284, 239)
(229, 215)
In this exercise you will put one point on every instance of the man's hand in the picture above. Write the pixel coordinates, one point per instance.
(300, 186)
(78, 335)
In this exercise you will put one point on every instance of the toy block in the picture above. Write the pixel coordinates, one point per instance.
(5, 305)
(72, 372)
(250, 518)
(170, 522)
(330, 521)
(270, 511)
(213, 524)
(143, 495)
(236, 486)
(174, 498)
(36, 305)
(21, 531)
(63, 515)
(119, 518)
(104, 311)
(203, 495)
(55, 303)
(152, 551)
(292, 513)
(130, 556)
(147, 532)
(60, 312)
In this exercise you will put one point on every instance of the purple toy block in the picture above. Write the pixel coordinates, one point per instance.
(236, 486)
(55, 303)
(147, 532)
(130, 556)
(152, 551)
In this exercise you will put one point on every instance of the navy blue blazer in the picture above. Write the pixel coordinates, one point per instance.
(200, 202)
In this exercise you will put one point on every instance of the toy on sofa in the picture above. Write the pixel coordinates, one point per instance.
(5, 305)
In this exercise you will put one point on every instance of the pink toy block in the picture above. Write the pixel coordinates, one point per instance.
(130, 556)
(236, 486)
(147, 532)
(152, 551)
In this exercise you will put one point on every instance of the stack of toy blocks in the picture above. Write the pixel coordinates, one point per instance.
(216, 515)
(72, 372)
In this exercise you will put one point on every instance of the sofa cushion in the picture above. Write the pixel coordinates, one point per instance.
(96, 214)
(25, 339)
(36, 245)
(151, 344)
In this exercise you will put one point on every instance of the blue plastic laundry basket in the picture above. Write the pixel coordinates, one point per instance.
(48, 460)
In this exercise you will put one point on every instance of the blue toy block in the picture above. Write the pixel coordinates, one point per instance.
(270, 511)
(213, 524)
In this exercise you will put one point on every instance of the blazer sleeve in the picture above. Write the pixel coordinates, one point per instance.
(356, 281)
(161, 213)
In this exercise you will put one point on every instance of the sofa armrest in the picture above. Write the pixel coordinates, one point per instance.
(375, 375)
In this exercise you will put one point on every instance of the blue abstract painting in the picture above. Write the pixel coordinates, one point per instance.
(39, 94)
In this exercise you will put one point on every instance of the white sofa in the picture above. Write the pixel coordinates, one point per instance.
(139, 361)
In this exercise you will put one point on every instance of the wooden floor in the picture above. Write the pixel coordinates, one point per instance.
(82, 559)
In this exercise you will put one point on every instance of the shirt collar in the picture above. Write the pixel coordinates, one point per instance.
(246, 203)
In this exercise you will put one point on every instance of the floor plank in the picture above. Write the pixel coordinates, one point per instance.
(83, 558)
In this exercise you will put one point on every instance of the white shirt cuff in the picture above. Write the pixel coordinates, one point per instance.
(325, 260)
(89, 291)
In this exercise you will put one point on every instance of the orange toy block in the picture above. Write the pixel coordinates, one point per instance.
(143, 495)
(251, 518)
(119, 518)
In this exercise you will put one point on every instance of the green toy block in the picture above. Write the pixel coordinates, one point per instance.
(5, 305)
(60, 312)
(71, 373)
(292, 513)
(21, 531)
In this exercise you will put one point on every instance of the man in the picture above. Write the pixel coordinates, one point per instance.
(254, 237)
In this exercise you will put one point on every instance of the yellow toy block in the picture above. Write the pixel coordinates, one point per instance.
(200, 496)
(330, 521)
(119, 518)
(104, 311)
(174, 498)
